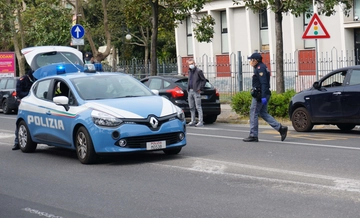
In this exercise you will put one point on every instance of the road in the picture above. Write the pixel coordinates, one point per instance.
(312, 174)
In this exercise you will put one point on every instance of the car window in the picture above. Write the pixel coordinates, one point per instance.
(11, 84)
(355, 77)
(56, 57)
(334, 80)
(108, 87)
(166, 84)
(182, 83)
(155, 83)
(3, 83)
(41, 90)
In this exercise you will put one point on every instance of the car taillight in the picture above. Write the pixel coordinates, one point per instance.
(176, 92)
(13, 94)
(217, 93)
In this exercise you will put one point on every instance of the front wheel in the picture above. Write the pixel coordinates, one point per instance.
(301, 120)
(5, 107)
(210, 119)
(25, 142)
(84, 147)
(346, 127)
(172, 151)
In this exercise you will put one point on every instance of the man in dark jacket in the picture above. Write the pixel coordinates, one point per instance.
(23, 86)
(196, 83)
(261, 84)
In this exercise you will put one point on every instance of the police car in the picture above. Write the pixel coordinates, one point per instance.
(95, 113)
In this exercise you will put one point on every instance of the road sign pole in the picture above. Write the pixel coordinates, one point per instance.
(316, 60)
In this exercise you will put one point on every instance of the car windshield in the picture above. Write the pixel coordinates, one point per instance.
(108, 86)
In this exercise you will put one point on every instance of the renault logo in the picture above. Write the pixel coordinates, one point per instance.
(154, 122)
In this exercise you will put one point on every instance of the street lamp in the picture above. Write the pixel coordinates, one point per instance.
(128, 36)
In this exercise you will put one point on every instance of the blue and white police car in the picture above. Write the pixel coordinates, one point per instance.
(95, 113)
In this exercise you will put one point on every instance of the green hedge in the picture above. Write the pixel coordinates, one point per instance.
(277, 106)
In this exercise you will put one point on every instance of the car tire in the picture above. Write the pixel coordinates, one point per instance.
(25, 142)
(5, 107)
(210, 119)
(84, 147)
(346, 127)
(301, 120)
(172, 151)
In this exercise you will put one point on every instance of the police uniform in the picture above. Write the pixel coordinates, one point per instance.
(261, 80)
(23, 87)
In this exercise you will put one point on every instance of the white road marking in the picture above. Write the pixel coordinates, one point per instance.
(278, 142)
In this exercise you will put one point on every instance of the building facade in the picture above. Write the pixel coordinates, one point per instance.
(239, 32)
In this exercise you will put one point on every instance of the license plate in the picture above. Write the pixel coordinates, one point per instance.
(155, 145)
(204, 97)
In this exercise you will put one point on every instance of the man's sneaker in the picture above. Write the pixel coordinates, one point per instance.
(199, 124)
(15, 147)
(191, 123)
(251, 139)
(283, 132)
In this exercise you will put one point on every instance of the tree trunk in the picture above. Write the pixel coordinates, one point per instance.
(280, 88)
(154, 35)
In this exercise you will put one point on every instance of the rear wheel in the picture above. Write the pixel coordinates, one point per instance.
(301, 120)
(210, 119)
(5, 107)
(84, 147)
(25, 142)
(346, 127)
(172, 151)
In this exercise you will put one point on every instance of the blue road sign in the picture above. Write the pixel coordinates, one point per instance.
(77, 31)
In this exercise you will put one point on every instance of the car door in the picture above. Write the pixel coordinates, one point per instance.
(325, 101)
(351, 96)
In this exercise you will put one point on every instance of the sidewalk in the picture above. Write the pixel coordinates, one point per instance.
(229, 116)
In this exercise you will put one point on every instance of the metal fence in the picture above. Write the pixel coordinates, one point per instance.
(299, 73)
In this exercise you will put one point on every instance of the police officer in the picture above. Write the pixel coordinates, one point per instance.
(23, 86)
(261, 82)
(89, 59)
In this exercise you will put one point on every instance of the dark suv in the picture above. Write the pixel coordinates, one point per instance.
(174, 88)
(8, 100)
(334, 99)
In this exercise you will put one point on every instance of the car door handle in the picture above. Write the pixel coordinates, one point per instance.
(336, 93)
(48, 113)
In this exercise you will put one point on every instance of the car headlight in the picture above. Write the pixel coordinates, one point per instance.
(180, 113)
(104, 119)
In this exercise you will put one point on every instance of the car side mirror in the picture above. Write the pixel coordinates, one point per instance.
(316, 85)
(156, 92)
(62, 101)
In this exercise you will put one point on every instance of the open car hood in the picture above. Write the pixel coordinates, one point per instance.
(41, 56)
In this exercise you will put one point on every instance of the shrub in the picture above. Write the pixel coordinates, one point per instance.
(277, 106)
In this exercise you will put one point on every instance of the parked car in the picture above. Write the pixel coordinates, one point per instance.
(8, 101)
(334, 99)
(96, 113)
(174, 88)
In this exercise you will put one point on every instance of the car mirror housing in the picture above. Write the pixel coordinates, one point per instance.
(316, 85)
(62, 101)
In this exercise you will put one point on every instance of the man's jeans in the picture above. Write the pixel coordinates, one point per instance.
(194, 99)
(258, 109)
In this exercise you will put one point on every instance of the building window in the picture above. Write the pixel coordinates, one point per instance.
(264, 32)
(189, 39)
(356, 10)
(224, 33)
(308, 43)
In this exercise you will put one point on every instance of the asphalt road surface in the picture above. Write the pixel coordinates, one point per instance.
(313, 174)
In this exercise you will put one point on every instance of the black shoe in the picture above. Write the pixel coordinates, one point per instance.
(15, 147)
(283, 132)
(251, 139)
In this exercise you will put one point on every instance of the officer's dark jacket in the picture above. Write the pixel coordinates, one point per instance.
(23, 86)
(198, 79)
(261, 79)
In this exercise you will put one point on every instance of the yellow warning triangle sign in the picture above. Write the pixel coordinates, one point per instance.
(315, 29)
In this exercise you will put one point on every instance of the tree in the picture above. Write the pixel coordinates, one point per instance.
(176, 11)
(297, 8)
